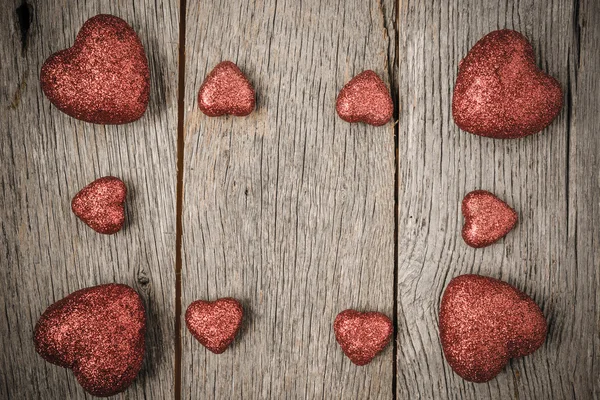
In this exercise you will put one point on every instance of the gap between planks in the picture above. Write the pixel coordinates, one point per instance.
(179, 200)
(394, 63)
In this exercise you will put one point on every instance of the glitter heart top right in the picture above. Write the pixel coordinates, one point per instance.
(500, 92)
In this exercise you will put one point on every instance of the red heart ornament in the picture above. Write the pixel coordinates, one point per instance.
(100, 205)
(362, 335)
(487, 218)
(226, 90)
(500, 92)
(365, 99)
(104, 78)
(99, 333)
(214, 324)
(484, 322)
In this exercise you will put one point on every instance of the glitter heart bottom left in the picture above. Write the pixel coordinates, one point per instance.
(99, 333)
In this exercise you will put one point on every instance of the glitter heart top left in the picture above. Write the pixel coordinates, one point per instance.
(104, 78)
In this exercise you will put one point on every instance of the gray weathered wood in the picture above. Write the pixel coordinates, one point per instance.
(46, 156)
(551, 179)
(580, 331)
(290, 209)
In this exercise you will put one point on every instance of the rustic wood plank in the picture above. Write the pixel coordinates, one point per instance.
(581, 332)
(553, 252)
(45, 252)
(290, 209)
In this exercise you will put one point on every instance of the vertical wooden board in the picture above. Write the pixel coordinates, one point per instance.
(584, 208)
(45, 251)
(290, 209)
(439, 164)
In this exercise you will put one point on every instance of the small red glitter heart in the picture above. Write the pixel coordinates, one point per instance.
(362, 335)
(226, 90)
(365, 99)
(500, 92)
(100, 205)
(99, 333)
(484, 322)
(487, 218)
(104, 78)
(214, 323)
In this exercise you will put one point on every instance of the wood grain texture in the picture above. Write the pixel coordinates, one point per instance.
(551, 179)
(582, 333)
(290, 209)
(45, 251)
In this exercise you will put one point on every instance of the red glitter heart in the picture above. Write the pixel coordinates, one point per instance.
(215, 323)
(99, 333)
(362, 335)
(226, 90)
(487, 218)
(500, 92)
(365, 99)
(484, 322)
(100, 205)
(104, 78)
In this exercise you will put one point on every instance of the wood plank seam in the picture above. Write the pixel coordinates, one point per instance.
(392, 69)
(179, 200)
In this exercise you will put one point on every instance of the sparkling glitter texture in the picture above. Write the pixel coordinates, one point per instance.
(99, 333)
(104, 78)
(365, 99)
(362, 335)
(487, 218)
(100, 205)
(500, 92)
(216, 323)
(226, 90)
(484, 322)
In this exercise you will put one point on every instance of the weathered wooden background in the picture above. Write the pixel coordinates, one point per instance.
(295, 212)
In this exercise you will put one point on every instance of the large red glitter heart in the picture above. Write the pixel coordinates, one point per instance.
(500, 92)
(104, 78)
(484, 322)
(365, 99)
(226, 90)
(99, 333)
(487, 218)
(100, 204)
(215, 323)
(362, 335)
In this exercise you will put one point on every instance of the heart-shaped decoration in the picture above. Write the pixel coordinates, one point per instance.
(99, 333)
(365, 99)
(487, 218)
(226, 90)
(104, 78)
(362, 335)
(100, 205)
(500, 92)
(214, 323)
(484, 322)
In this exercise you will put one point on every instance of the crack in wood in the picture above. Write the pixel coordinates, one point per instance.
(24, 17)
